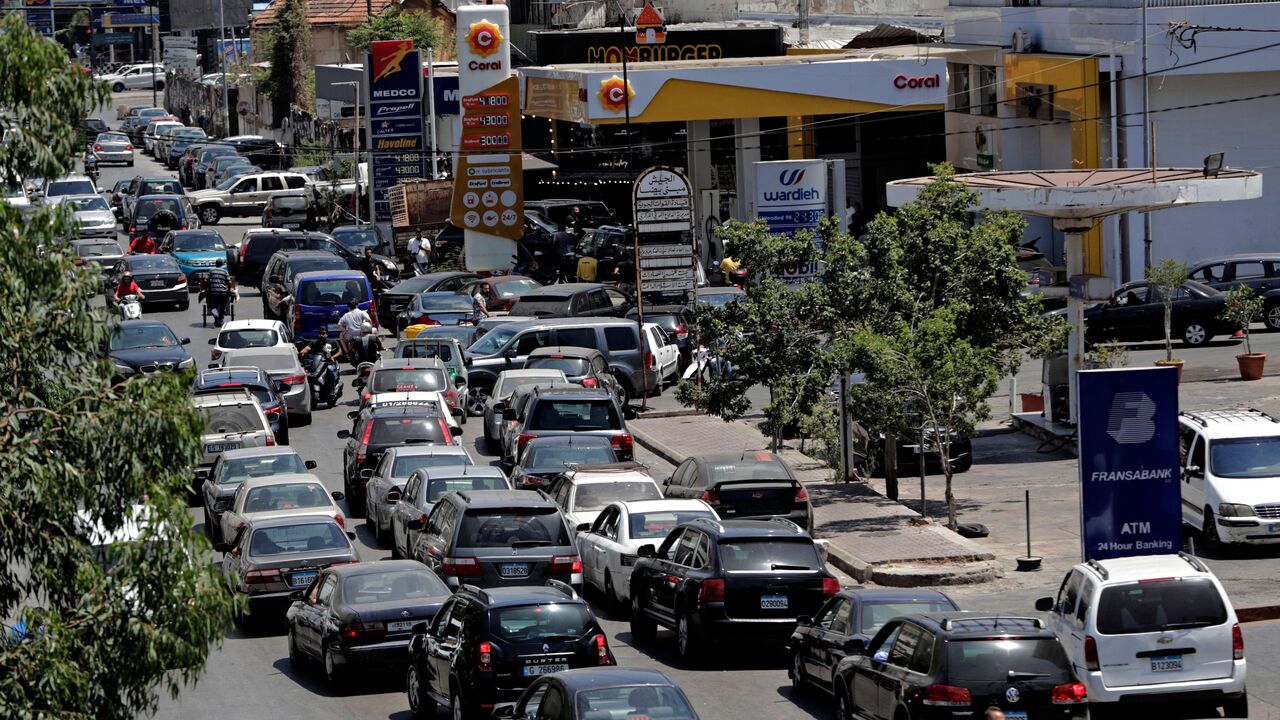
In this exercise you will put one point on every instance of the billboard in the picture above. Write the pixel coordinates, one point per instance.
(606, 45)
(393, 75)
(1130, 497)
(792, 195)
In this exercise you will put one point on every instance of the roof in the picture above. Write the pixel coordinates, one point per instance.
(1145, 567)
(771, 527)
(453, 472)
(365, 568)
(281, 479)
(893, 596)
(395, 363)
(328, 275)
(736, 457)
(958, 623)
(639, 506)
(502, 498)
(566, 440)
(563, 350)
(254, 324)
(243, 372)
(605, 473)
(284, 520)
(1238, 257)
(524, 595)
(1234, 423)
(325, 12)
(426, 450)
(562, 289)
(612, 676)
(256, 452)
(233, 397)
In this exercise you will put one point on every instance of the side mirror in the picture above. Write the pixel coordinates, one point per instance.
(343, 434)
(221, 547)
(509, 353)
(352, 415)
(213, 341)
(297, 595)
(309, 464)
(274, 279)
(415, 524)
(351, 534)
(881, 656)
(366, 473)
(508, 413)
(1194, 471)
(1044, 604)
(466, 362)
(337, 495)
(855, 646)
(184, 341)
(505, 710)
(647, 551)
(583, 527)
(804, 620)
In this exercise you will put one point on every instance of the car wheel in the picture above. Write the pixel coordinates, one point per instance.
(1271, 316)
(1236, 707)
(1210, 530)
(797, 673)
(304, 418)
(184, 305)
(332, 671)
(380, 535)
(420, 702)
(688, 643)
(1195, 334)
(844, 709)
(458, 706)
(622, 393)
(209, 214)
(118, 87)
(642, 626)
(296, 658)
(614, 603)
(476, 399)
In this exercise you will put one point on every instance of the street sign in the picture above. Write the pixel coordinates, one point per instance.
(393, 76)
(40, 16)
(1129, 476)
(662, 201)
(796, 195)
(650, 27)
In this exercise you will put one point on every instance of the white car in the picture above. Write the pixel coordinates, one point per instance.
(609, 549)
(94, 215)
(666, 354)
(417, 398)
(385, 483)
(583, 491)
(157, 132)
(140, 77)
(1136, 628)
(1231, 475)
(240, 334)
(277, 496)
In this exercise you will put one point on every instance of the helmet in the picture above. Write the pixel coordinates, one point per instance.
(127, 276)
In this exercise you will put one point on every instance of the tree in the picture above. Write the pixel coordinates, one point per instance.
(288, 44)
(393, 23)
(79, 451)
(1241, 307)
(1165, 280)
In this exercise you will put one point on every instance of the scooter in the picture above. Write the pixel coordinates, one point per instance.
(704, 362)
(130, 307)
(322, 373)
(91, 166)
(366, 348)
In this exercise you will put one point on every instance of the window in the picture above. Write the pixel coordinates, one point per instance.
(875, 615)
(658, 524)
(609, 528)
(1086, 599)
(842, 622)
(326, 590)
(989, 661)
(531, 703)
(1245, 458)
(762, 554)
(295, 182)
(905, 646)
(552, 705)
(575, 415)
(531, 341)
(447, 626)
(530, 623)
(579, 305)
(271, 183)
(576, 337)
(1069, 597)
(413, 487)
(616, 298)
(702, 554)
(986, 91)
(958, 90)
(1186, 436)
(685, 548)
(513, 528)
(597, 496)
(923, 658)
(1197, 455)
(827, 616)
(621, 338)
(1135, 295)
(1210, 273)
(1249, 271)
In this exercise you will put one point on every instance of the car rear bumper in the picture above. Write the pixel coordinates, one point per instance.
(388, 654)
(725, 629)
(1191, 690)
(166, 295)
(268, 604)
(125, 156)
(102, 231)
(802, 517)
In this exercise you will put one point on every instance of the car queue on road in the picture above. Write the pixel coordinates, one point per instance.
(487, 580)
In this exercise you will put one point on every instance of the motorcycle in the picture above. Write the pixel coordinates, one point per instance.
(130, 307)
(706, 365)
(322, 373)
(91, 166)
(366, 348)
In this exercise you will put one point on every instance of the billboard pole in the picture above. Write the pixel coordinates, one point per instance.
(431, 108)
(635, 236)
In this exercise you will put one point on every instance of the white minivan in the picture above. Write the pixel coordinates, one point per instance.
(1231, 475)
(1150, 629)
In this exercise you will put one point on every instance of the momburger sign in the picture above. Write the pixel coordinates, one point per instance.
(559, 47)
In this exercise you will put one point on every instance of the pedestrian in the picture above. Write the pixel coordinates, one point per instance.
(204, 122)
(186, 115)
(419, 253)
(217, 288)
(479, 308)
(573, 223)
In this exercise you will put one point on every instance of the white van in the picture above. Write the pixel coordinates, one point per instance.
(1148, 629)
(1231, 475)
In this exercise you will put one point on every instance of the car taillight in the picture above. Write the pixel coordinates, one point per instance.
(711, 497)
(373, 314)
(254, 577)
(711, 591)
(356, 630)
(128, 147)
(830, 586)
(622, 443)
(423, 519)
(364, 396)
(362, 451)
(947, 696)
(461, 567)
(648, 361)
(295, 379)
(267, 212)
(445, 431)
(523, 440)
(1069, 694)
(342, 522)
(97, 148)
(1237, 642)
(589, 382)
(426, 320)
(451, 397)
(271, 442)
(297, 324)
(682, 331)
(602, 651)
(273, 412)
(802, 495)
(244, 247)
(485, 662)
(1091, 653)
(133, 229)
(566, 564)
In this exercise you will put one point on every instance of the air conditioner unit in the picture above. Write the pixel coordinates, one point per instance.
(1022, 41)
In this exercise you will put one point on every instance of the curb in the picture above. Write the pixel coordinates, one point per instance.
(657, 448)
(1258, 614)
(655, 414)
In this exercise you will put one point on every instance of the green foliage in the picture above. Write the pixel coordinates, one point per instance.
(1165, 279)
(289, 46)
(1109, 355)
(1243, 307)
(77, 452)
(396, 24)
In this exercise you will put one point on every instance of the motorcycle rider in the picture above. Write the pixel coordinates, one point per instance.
(142, 245)
(128, 287)
(317, 345)
(351, 324)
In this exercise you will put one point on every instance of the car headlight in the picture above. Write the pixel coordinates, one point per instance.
(187, 364)
(1234, 510)
(124, 369)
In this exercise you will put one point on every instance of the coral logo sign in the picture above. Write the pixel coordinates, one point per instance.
(902, 82)
(484, 38)
(615, 94)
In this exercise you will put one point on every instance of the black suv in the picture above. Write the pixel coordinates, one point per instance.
(958, 664)
(257, 249)
(559, 410)
(268, 392)
(755, 484)
(495, 538)
(745, 580)
(484, 647)
(277, 278)
(382, 427)
(573, 300)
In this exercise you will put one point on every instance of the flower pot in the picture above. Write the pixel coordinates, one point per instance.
(1251, 365)
(1031, 402)
(1172, 363)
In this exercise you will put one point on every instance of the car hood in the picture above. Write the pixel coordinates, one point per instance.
(150, 355)
(202, 255)
(578, 517)
(96, 217)
(1248, 491)
(211, 194)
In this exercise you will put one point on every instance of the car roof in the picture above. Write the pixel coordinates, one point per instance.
(970, 623)
(523, 372)
(281, 479)
(285, 520)
(238, 396)
(719, 291)
(253, 452)
(587, 678)
(1238, 257)
(144, 322)
(605, 472)
(501, 498)
(329, 275)
(238, 372)
(395, 363)
(251, 324)
(375, 566)
(523, 595)
(421, 450)
(453, 472)
(868, 595)
(570, 350)
(293, 253)
(565, 391)
(735, 457)
(1233, 423)
(566, 440)
(672, 504)
(1146, 567)
(750, 528)
(429, 409)
(562, 289)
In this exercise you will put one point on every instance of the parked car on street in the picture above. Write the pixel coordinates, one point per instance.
(1230, 460)
(435, 308)
(178, 142)
(321, 297)
(396, 298)
(1136, 314)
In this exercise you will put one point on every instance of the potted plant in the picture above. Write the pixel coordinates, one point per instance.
(1243, 306)
(1165, 279)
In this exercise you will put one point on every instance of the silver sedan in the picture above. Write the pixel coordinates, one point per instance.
(94, 215)
(281, 363)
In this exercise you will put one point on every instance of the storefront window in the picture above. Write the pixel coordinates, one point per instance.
(958, 86)
(987, 88)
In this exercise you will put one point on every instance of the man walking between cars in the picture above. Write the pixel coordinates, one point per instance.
(419, 253)
(218, 287)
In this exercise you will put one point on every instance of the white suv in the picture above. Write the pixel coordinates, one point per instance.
(1139, 628)
(1230, 472)
(583, 491)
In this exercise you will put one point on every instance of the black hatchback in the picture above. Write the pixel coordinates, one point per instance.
(382, 427)
(938, 666)
(485, 646)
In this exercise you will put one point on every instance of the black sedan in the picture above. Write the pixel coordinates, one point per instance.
(1136, 314)
(435, 308)
(601, 692)
(546, 457)
(158, 276)
(147, 346)
(361, 616)
(398, 297)
(752, 484)
(846, 624)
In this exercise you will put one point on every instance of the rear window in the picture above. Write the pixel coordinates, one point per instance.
(512, 288)
(290, 202)
(659, 524)
(286, 497)
(71, 187)
(443, 351)
(230, 419)
(621, 338)
(233, 339)
(97, 249)
(144, 263)
(526, 623)
(161, 187)
(992, 660)
(575, 415)
(750, 467)
(438, 487)
(235, 471)
(404, 466)
(509, 383)
(333, 292)
(559, 456)
(301, 265)
(271, 362)
(771, 554)
(145, 209)
(377, 587)
(540, 305)
(1160, 605)
(417, 380)
(596, 496)
(197, 242)
(452, 302)
(571, 366)
(398, 430)
(297, 539)
(512, 527)
(875, 615)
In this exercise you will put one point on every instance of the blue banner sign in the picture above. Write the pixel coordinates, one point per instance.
(393, 71)
(1129, 477)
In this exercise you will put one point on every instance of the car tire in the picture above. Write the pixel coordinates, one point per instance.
(844, 708)
(688, 639)
(1236, 707)
(184, 305)
(209, 214)
(1195, 334)
(421, 704)
(797, 674)
(296, 658)
(380, 536)
(458, 709)
(332, 672)
(304, 419)
(963, 464)
(623, 392)
(612, 602)
(476, 399)
(118, 87)
(642, 626)
(1209, 530)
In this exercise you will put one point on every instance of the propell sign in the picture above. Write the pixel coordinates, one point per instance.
(394, 77)
(488, 191)
(1130, 496)
(791, 195)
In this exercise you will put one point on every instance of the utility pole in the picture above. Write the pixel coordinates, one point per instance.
(155, 58)
(226, 104)
(635, 236)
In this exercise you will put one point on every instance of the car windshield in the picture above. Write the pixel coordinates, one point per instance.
(752, 466)
(333, 292)
(224, 419)
(1160, 605)
(576, 415)
(70, 187)
(493, 341)
(142, 336)
(635, 701)
(507, 526)
(557, 456)
(541, 221)
(197, 242)
(720, 299)
(991, 660)
(756, 555)
(144, 209)
(400, 430)
(148, 263)
(226, 184)
(415, 380)
(214, 151)
(236, 471)
(98, 249)
(355, 239)
(291, 496)
(510, 383)
(405, 465)
(393, 585)
(660, 523)
(289, 202)
(297, 539)
(876, 614)
(441, 350)
(446, 303)
(530, 623)
(596, 496)
(437, 487)
(233, 339)
(88, 203)
(464, 334)
(571, 366)
(512, 288)
(1245, 458)
(188, 135)
(312, 263)
(160, 187)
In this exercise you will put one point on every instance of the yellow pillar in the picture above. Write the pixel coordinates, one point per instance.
(799, 137)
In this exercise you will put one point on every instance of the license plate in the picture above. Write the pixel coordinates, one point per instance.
(773, 602)
(401, 625)
(513, 570)
(535, 670)
(302, 579)
(1166, 663)
(1015, 715)
(216, 448)
(155, 283)
(291, 225)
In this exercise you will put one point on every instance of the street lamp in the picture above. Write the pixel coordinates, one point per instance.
(355, 166)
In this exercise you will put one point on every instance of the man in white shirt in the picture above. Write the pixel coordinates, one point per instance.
(350, 325)
(419, 252)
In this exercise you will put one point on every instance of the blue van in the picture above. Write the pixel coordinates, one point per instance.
(320, 298)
